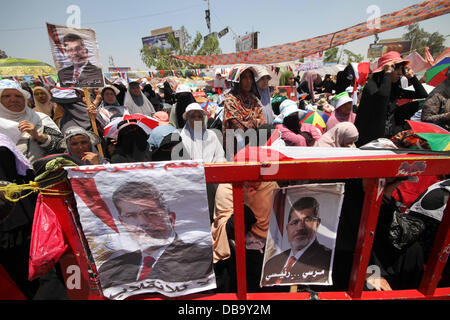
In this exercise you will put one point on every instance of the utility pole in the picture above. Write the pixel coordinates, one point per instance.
(208, 18)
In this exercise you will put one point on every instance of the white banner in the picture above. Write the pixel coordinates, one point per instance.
(302, 235)
(147, 225)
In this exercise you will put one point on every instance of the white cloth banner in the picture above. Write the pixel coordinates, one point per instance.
(303, 227)
(147, 226)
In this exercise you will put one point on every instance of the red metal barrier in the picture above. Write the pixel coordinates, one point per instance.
(374, 167)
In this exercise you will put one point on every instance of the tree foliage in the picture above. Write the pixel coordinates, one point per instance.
(330, 55)
(161, 59)
(3, 54)
(421, 39)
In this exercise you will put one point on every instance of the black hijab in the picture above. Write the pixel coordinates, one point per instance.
(132, 145)
(183, 99)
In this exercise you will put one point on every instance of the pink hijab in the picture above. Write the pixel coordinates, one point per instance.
(337, 117)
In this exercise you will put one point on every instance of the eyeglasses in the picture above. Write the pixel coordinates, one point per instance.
(308, 220)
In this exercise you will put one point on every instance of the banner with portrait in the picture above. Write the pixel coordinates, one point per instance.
(302, 235)
(147, 226)
(76, 55)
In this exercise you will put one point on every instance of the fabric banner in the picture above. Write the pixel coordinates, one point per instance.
(302, 235)
(147, 226)
(76, 56)
(295, 50)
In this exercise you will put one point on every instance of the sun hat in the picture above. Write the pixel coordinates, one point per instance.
(182, 88)
(162, 117)
(11, 84)
(287, 108)
(192, 107)
(342, 98)
(391, 56)
(113, 88)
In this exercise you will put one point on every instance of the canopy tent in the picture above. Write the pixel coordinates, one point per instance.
(10, 67)
(295, 50)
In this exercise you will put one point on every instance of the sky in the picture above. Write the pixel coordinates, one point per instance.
(120, 25)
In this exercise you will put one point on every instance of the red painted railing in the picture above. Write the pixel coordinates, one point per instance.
(375, 168)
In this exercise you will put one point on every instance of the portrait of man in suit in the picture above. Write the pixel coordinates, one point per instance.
(162, 254)
(307, 261)
(82, 73)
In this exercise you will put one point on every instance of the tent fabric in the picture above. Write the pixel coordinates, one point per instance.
(295, 50)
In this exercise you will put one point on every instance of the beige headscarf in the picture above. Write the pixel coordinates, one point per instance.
(341, 135)
(46, 107)
(260, 203)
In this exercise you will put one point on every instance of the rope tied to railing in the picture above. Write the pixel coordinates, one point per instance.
(14, 192)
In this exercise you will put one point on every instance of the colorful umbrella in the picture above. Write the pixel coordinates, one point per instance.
(438, 73)
(316, 118)
(24, 67)
(145, 122)
(437, 137)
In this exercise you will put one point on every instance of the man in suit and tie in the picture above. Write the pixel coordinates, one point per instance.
(162, 255)
(307, 261)
(81, 73)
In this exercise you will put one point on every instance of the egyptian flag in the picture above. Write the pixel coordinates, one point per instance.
(361, 75)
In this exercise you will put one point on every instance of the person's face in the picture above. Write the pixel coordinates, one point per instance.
(193, 116)
(40, 96)
(13, 100)
(109, 97)
(246, 81)
(263, 83)
(76, 52)
(398, 72)
(147, 223)
(346, 108)
(291, 80)
(135, 90)
(79, 144)
(302, 228)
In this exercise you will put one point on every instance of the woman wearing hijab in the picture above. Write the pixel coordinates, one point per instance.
(132, 145)
(343, 111)
(184, 97)
(37, 134)
(169, 96)
(291, 130)
(342, 135)
(376, 115)
(309, 82)
(136, 102)
(287, 79)
(262, 79)
(80, 144)
(110, 108)
(42, 101)
(154, 98)
(200, 143)
(242, 107)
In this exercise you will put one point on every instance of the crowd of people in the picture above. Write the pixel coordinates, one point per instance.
(41, 121)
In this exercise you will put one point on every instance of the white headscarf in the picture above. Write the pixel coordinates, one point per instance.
(145, 108)
(46, 107)
(26, 114)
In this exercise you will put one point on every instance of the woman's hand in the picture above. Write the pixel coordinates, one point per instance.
(30, 128)
(409, 73)
(90, 157)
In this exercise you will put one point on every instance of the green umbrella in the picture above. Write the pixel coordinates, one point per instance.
(24, 67)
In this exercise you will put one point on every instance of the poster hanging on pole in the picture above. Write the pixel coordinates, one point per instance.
(76, 56)
(147, 226)
(302, 235)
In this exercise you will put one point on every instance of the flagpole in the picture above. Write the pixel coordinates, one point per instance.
(89, 103)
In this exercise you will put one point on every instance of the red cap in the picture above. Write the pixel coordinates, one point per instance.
(391, 56)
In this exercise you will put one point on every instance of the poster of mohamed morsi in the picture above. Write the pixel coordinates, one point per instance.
(302, 235)
(147, 226)
(76, 56)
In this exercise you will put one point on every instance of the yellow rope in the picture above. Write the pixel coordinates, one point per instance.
(13, 192)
